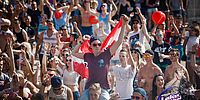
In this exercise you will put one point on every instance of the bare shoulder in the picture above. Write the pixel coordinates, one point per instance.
(157, 69)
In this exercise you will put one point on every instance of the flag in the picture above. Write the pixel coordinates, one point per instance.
(81, 69)
(85, 48)
(108, 42)
(113, 36)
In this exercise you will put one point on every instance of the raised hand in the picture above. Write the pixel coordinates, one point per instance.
(46, 46)
(125, 19)
(75, 25)
(23, 53)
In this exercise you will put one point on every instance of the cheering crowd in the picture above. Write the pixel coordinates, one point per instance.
(98, 50)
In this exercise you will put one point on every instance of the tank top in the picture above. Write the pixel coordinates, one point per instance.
(19, 36)
(107, 26)
(52, 40)
(70, 78)
(61, 21)
(62, 96)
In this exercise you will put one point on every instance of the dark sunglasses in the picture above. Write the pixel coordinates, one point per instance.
(51, 75)
(103, 6)
(174, 54)
(63, 29)
(135, 97)
(68, 60)
(99, 44)
(65, 55)
(133, 51)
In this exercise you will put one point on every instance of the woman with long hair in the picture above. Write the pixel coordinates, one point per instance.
(70, 77)
(157, 86)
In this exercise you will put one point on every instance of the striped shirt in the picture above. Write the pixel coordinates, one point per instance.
(52, 40)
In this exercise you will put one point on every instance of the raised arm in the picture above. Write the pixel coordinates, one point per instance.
(76, 53)
(115, 46)
(11, 55)
(77, 29)
(114, 10)
(49, 6)
(172, 25)
(41, 6)
(131, 57)
(95, 13)
(28, 65)
(144, 28)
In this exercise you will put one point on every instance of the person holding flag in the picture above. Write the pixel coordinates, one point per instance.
(99, 60)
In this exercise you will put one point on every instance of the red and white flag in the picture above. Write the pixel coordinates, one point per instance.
(113, 36)
(108, 42)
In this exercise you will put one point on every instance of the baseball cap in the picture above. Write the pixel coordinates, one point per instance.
(142, 92)
(149, 52)
(56, 81)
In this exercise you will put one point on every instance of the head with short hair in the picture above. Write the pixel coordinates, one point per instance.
(148, 55)
(159, 35)
(123, 56)
(95, 44)
(94, 91)
(195, 31)
(174, 54)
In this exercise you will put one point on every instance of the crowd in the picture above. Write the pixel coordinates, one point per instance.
(63, 50)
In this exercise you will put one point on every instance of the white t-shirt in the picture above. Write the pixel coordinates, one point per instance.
(137, 36)
(70, 78)
(192, 41)
(124, 81)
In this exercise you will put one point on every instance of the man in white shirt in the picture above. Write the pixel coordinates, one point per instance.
(124, 75)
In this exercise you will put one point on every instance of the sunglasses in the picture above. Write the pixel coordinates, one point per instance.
(135, 97)
(51, 75)
(103, 6)
(68, 60)
(133, 51)
(147, 56)
(65, 55)
(63, 29)
(160, 35)
(174, 54)
(95, 45)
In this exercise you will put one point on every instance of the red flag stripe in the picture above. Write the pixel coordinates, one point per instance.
(112, 36)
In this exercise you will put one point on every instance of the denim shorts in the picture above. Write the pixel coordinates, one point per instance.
(87, 30)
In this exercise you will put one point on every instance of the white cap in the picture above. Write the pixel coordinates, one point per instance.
(4, 21)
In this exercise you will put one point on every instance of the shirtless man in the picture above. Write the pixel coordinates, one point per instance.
(175, 66)
(146, 73)
(86, 26)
